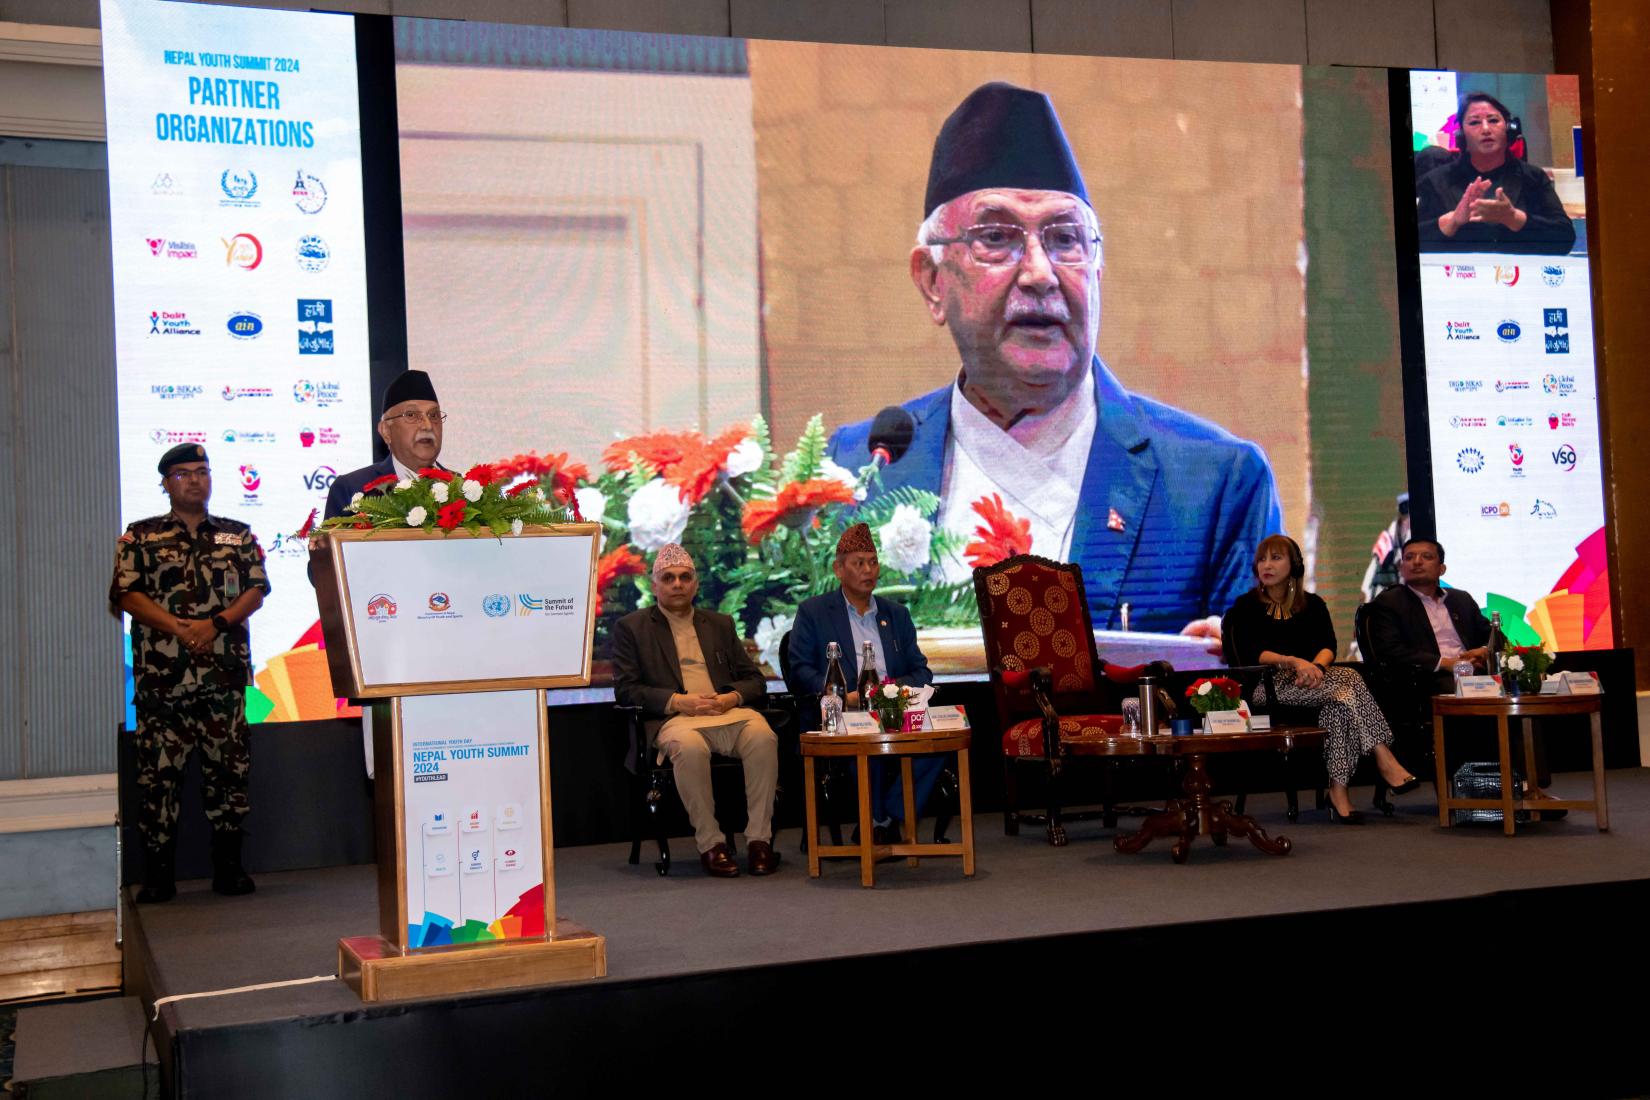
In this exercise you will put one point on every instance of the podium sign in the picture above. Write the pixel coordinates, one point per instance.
(410, 613)
(457, 636)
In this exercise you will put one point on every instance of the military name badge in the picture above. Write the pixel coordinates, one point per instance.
(231, 584)
(226, 538)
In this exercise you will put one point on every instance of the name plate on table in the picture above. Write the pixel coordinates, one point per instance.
(1225, 721)
(1573, 683)
(947, 718)
(860, 721)
(1478, 687)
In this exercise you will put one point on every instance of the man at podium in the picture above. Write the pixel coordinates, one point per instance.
(410, 427)
(685, 668)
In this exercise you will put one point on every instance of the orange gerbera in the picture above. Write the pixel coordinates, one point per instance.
(702, 463)
(1002, 536)
(660, 450)
(763, 517)
(623, 562)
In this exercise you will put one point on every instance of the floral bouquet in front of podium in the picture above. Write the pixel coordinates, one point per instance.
(496, 497)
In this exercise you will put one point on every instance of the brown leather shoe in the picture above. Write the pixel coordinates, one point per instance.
(763, 859)
(718, 863)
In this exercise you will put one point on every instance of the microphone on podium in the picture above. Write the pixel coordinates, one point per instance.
(890, 435)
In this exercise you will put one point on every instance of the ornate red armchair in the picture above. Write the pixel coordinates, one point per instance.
(1055, 697)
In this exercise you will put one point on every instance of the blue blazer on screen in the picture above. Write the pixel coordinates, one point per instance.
(1194, 500)
(823, 619)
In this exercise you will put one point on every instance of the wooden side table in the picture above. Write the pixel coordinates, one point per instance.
(1198, 814)
(903, 746)
(1526, 708)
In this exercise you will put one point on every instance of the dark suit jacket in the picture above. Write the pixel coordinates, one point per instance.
(1402, 634)
(345, 486)
(824, 619)
(647, 672)
(1194, 500)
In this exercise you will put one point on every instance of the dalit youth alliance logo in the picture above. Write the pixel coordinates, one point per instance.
(496, 605)
(381, 608)
(243, 250)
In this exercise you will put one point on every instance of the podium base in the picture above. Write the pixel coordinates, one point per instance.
(377, 972)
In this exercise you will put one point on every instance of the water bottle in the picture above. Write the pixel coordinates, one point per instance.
(1148, 706)
(835, 695)
(1492, 660)
(1462, 668)
(869, 680)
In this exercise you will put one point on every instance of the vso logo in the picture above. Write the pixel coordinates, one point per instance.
(321, 480)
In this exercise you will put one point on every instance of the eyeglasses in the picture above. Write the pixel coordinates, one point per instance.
(1068, 244)
(412, 417)
(203, 474)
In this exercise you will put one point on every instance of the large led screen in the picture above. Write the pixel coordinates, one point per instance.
(240, 287)
(1510, 387)
(693, 267)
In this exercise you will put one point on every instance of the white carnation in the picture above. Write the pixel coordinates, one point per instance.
(905, 539)
(515, 527)
(404, 483)
(471, 490)
(355, 501)
(592, 503)
(890, 691)
(1205, 688)
(658, 515)
(769, 633)
(835, 471)
(439, 492)
(1516, 663)
(745, 458)
(416, 516)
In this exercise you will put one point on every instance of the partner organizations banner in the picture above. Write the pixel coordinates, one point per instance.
(240, 285)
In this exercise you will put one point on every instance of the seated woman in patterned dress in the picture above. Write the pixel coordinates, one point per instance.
(1282, 624)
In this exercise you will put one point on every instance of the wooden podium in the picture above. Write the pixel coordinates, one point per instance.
(454, 638)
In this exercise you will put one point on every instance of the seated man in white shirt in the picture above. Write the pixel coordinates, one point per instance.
(686, 669)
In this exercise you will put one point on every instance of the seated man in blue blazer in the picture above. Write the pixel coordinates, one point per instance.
(852, 616)
(410, 427)
(1162, 510)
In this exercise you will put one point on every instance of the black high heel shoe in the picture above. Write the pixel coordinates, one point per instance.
(1356, 817)
(1407, 785)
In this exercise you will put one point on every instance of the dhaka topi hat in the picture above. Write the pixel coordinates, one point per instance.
(409, 385)
(1001, 136)
(672, 556)
(177, 456)
(856, 540)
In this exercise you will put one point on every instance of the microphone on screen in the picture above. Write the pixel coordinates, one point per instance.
(890, 436)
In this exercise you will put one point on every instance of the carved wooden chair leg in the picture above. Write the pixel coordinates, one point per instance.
(1011, 798)
(1242, 800)
(1056, 828)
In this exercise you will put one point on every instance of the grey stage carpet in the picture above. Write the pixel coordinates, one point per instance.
(689, 922)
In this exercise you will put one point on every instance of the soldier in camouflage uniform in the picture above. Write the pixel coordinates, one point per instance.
(190, 581)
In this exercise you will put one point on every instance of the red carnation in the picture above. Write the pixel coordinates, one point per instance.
(362, 524)
(450, 516)
(516, 491)
(482, 473)
(437, 475)
(1003, 536)
(309, 524)
(379, 483)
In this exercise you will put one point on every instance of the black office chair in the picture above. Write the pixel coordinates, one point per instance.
(1404, 695)
(651, 780)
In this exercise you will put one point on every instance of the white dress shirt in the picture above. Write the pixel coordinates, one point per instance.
(1036, 466)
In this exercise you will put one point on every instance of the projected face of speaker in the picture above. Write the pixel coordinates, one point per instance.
(1484, 131)
(1025, 330)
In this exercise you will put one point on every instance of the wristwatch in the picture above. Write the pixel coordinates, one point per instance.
(220, 624)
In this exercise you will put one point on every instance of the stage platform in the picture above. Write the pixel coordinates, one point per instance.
(1440, 933)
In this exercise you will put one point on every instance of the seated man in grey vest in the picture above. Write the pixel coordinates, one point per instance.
(687, 671)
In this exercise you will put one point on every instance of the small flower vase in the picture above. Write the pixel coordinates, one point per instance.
(892, 722)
